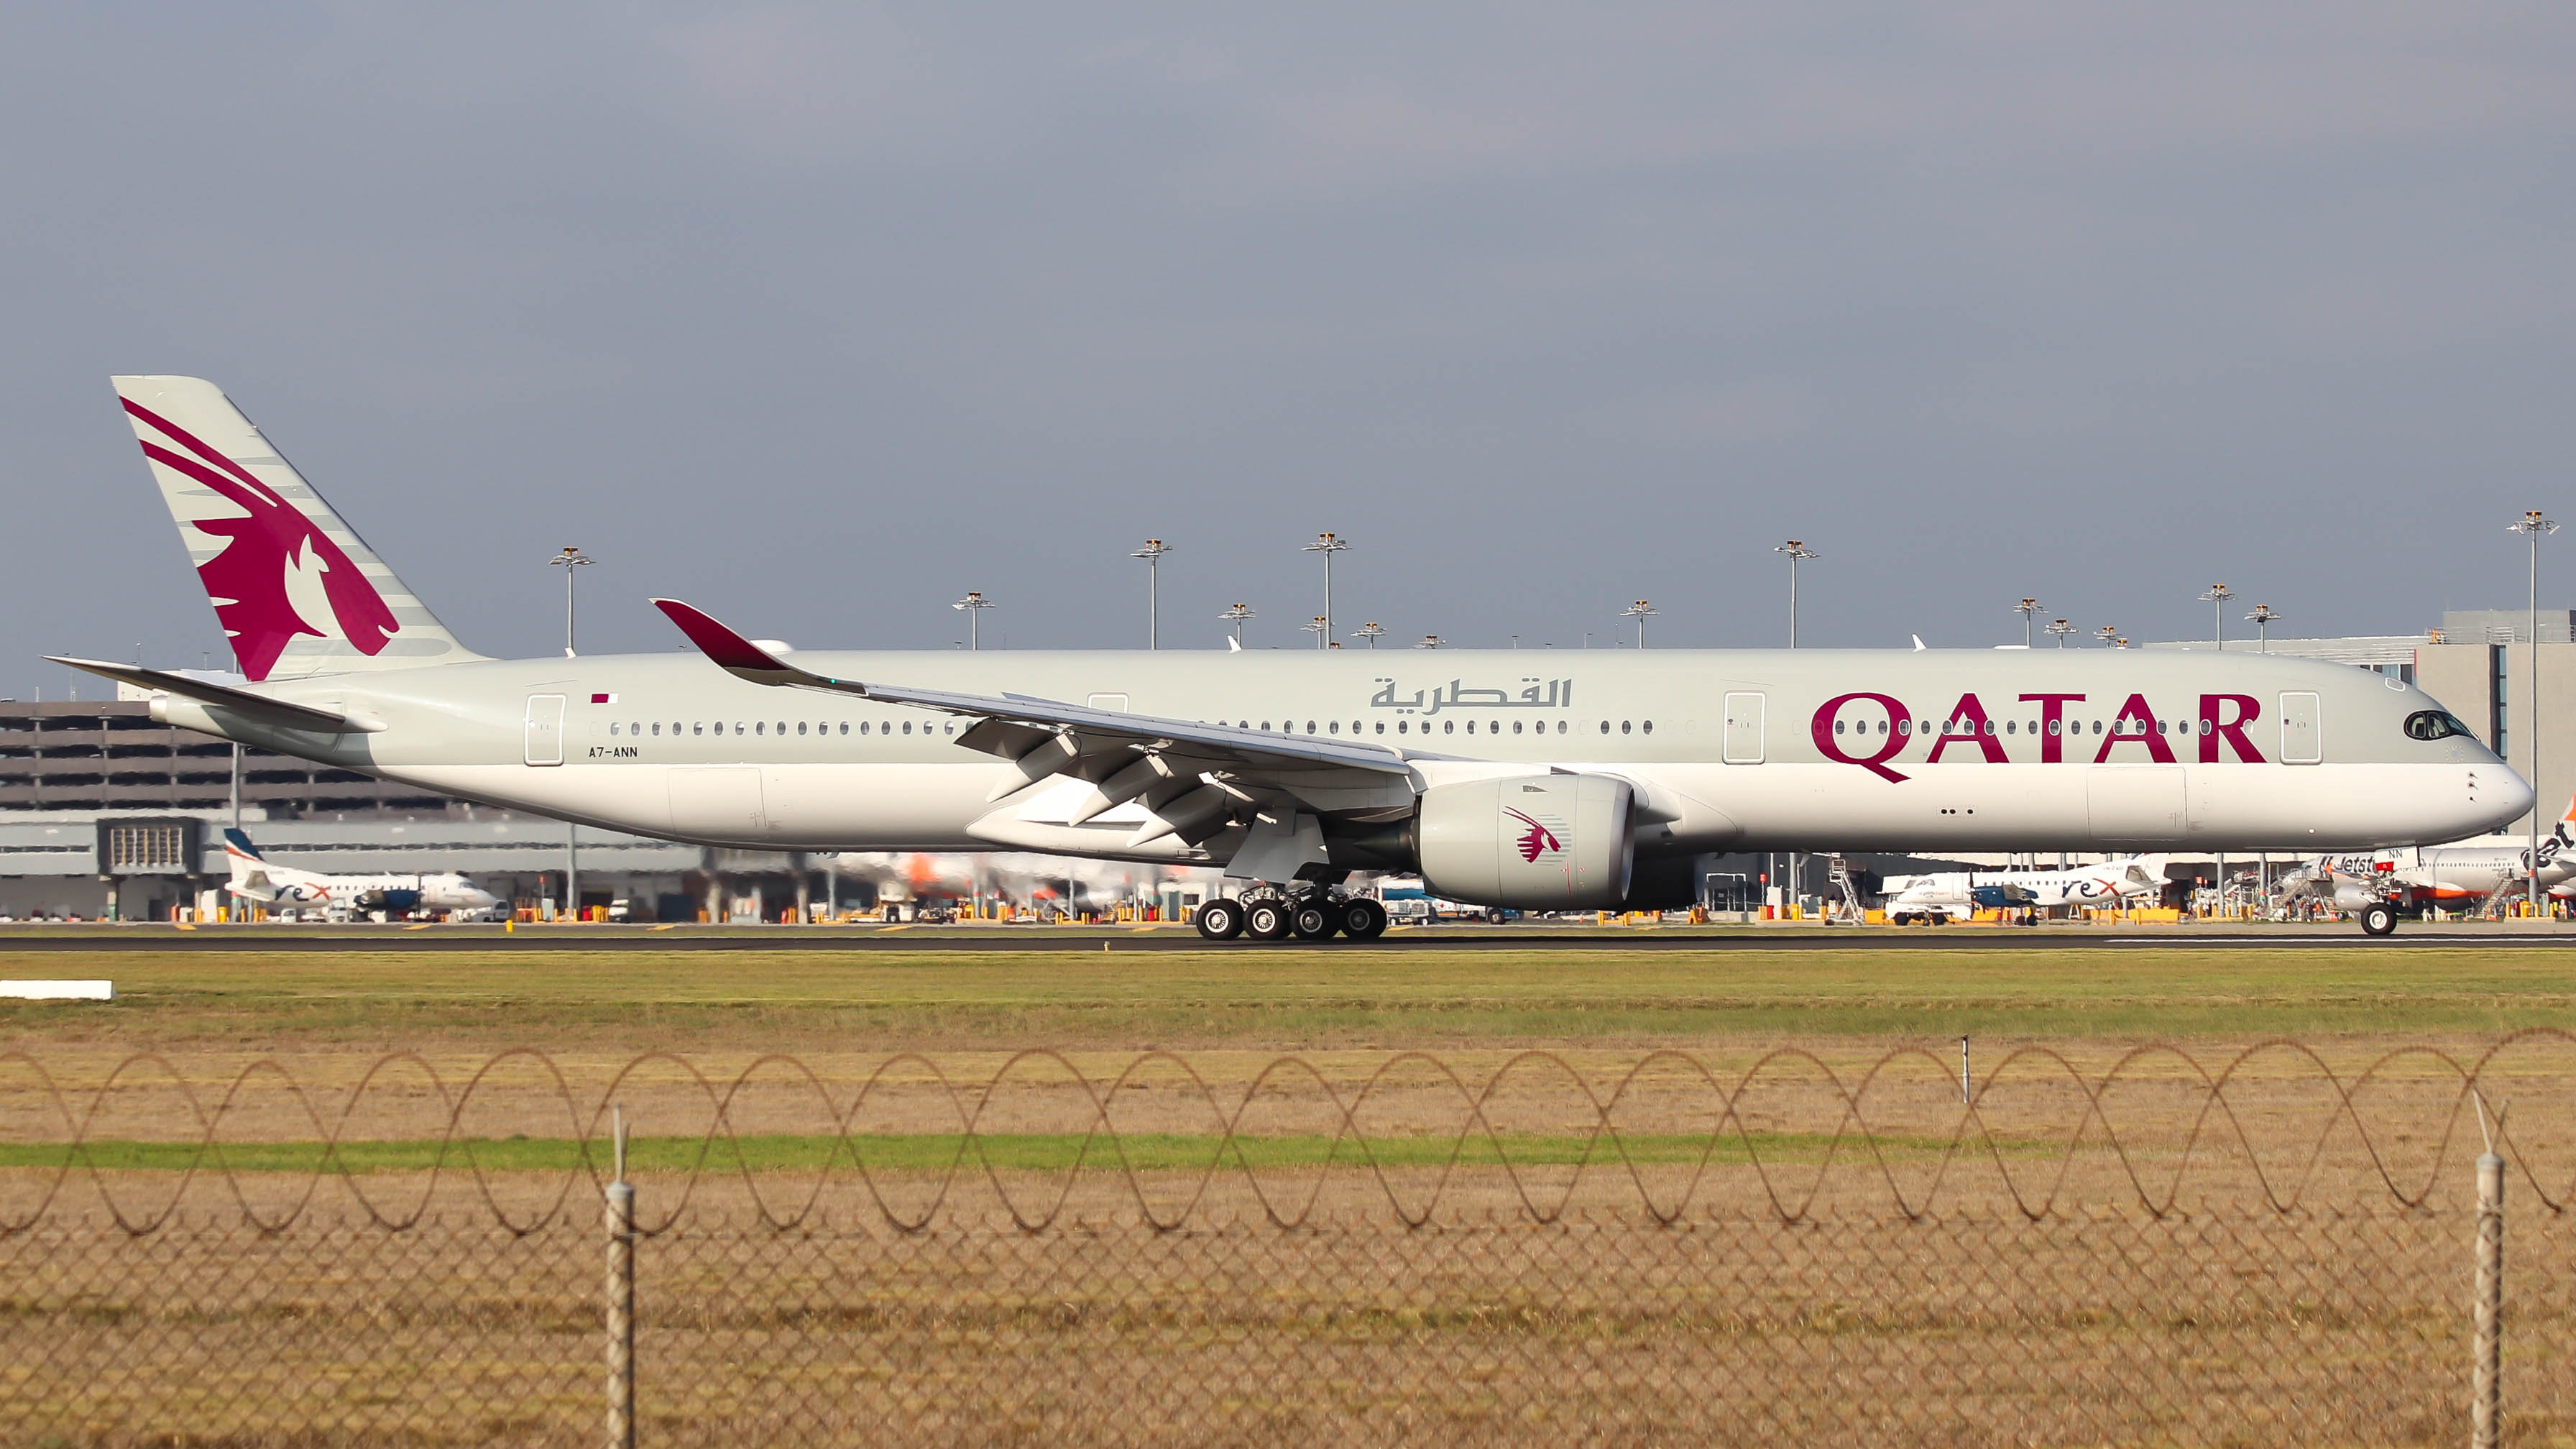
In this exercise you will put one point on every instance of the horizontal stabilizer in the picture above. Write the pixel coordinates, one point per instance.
(221, 696)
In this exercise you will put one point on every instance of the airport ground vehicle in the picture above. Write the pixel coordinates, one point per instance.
(1593, 788)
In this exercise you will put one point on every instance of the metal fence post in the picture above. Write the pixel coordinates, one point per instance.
(621, 1301)
(2486, 1404)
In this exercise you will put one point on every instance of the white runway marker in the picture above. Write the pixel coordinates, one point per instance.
(59, 990)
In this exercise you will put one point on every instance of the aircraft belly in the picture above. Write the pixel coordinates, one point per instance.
(2333, 807)
(754, 806)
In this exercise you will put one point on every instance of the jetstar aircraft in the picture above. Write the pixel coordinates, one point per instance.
(2454, 876)
(1539, 781)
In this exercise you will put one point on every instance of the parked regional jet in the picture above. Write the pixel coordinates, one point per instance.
(261, 881)
(1517, 779)
(1956, 895)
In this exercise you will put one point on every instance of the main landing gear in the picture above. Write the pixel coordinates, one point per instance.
(2379, 918)
(1308, 915)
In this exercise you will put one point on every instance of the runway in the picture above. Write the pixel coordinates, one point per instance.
(986, 939)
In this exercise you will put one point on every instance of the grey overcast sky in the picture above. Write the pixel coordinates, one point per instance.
(820, 316)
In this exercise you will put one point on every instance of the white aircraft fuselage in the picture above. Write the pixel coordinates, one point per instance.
(1545, 779)
(1727, 750)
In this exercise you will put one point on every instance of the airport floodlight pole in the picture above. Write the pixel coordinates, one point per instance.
(1796, 552)
(2537, 527)
(2107, 633)
(1369, 631)
(568, 560)
(1235, 615)
(1328, 545)
(1152, 553)
(1640, 611)
(1429, 641)
(2058, 629)
(2026, 608)
(974, 605)
(2262, 618)
(1316, 626)
(2216, 599)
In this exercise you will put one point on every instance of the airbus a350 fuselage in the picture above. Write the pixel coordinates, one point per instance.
(1525, 778)
(1923, 751)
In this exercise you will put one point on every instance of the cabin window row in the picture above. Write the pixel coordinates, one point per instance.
(1447, 726)
(1969, 727)
(642, 729)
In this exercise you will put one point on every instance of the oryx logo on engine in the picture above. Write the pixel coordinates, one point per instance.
(1536, 841)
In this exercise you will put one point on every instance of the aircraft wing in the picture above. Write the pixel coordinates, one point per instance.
(1187, 774)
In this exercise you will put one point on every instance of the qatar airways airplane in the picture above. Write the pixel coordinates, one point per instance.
(1533, 780)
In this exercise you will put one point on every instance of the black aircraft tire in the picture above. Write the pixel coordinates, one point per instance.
(1363, 919)
(1314, 921)
(1220, 919)
(2379, 920)
(1265, 921)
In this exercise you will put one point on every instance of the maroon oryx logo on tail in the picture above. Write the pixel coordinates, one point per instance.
(270, 557)
(1536, 841)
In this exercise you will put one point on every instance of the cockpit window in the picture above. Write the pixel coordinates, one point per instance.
(2433, 724)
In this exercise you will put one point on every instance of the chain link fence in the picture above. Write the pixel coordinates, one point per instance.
(2154, 1250)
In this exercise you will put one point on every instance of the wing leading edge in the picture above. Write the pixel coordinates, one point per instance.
(1192, 778)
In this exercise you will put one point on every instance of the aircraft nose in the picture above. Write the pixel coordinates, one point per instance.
(2502, 788)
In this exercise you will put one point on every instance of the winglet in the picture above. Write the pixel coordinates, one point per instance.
(740, 657)
(728, 649)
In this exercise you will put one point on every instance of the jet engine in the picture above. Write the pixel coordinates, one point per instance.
(388, 900)
(1531, 842)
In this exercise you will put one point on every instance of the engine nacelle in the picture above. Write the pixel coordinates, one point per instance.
(388, 900)
(1530, 842)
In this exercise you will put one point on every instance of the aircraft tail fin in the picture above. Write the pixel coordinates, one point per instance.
(250, 879)
(295, 588)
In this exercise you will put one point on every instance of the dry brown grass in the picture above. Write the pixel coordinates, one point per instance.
(2230, 1243)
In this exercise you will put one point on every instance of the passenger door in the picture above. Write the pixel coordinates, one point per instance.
(1744, 729)
(2302, 729)
(545, 741)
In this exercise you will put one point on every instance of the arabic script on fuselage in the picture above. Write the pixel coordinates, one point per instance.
(1534, 693)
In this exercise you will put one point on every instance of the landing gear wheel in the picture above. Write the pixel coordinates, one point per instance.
(2379, 920)
(1362, 919)
(1265, 920)
(1220, 920)
(1314, 921)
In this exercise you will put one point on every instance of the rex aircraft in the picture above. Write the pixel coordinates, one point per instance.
(1537, 781)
